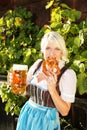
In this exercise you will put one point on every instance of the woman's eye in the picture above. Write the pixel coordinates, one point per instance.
(47, 48)
(57, 49)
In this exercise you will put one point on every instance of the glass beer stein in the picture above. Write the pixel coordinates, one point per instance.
(18, 78)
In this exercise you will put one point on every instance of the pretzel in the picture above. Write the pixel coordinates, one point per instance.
(51, 64)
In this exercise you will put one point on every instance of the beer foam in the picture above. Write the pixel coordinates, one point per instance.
(20, 67)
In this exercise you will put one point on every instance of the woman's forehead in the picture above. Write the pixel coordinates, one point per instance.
(54, 44)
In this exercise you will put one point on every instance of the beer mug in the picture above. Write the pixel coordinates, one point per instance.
(17, 78)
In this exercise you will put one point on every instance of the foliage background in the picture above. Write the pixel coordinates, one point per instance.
(18, 39)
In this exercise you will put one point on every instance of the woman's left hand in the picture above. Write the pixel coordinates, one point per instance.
(51, 81)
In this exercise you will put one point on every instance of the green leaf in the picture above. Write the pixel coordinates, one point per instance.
(49, 4)
(17, 110)
(84, 54)
(82, 83)
(77, 41)
(63, 5)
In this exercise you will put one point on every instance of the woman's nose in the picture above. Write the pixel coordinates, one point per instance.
(52, 52)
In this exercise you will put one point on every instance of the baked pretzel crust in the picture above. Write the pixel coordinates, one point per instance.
(52, 64)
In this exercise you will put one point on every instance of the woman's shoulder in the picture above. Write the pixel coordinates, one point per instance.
(32, 69)
(69, 73)
(35, 64)
(37, 61)
(69, 70)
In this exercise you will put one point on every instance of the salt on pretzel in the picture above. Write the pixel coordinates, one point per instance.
(52, 64)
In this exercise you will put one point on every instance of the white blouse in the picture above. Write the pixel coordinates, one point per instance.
(67, 83)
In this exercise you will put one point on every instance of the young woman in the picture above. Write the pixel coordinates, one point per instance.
(49, 95)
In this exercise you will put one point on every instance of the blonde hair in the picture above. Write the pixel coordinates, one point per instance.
(55, 37)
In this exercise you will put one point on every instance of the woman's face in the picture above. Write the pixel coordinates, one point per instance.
(52, 51)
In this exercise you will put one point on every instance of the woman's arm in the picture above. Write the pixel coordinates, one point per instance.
(62, 106)
(63, 102)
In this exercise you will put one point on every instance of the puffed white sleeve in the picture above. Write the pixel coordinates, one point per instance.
(67, 85)
(31, 70)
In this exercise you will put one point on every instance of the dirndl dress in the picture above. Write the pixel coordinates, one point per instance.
(37, 117)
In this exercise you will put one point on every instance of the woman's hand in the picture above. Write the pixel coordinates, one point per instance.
(51, 80)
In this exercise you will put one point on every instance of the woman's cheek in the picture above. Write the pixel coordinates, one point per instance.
(46, 54)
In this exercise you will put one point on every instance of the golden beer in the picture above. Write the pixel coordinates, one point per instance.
(19, 75)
